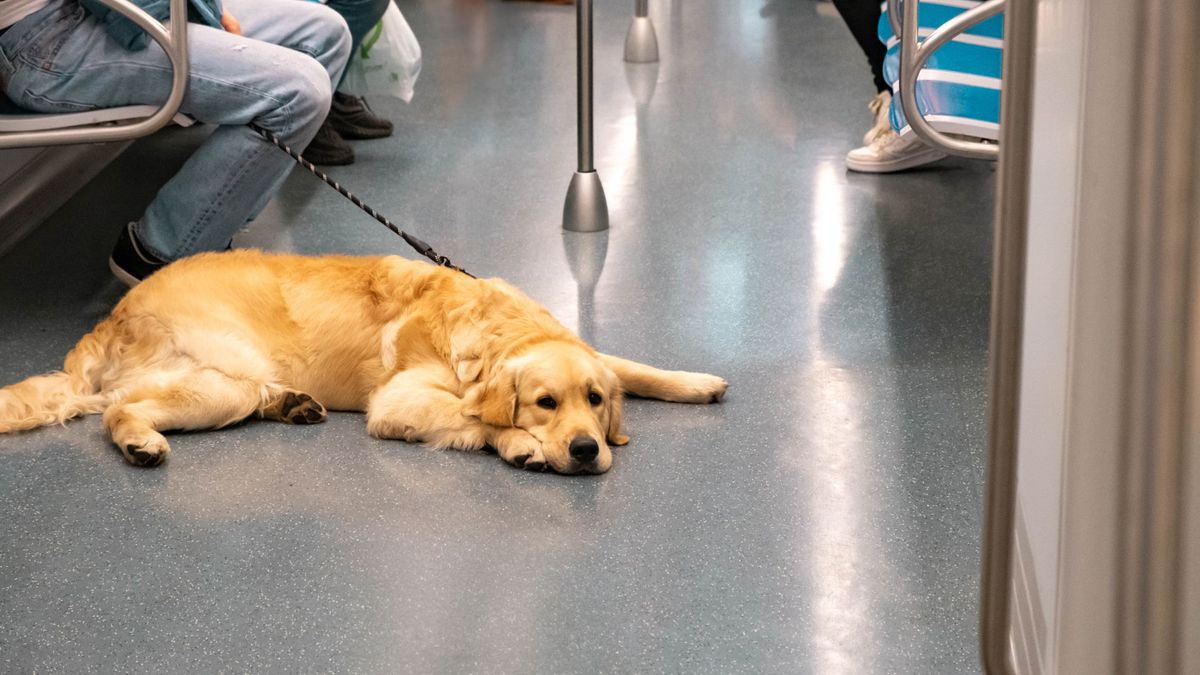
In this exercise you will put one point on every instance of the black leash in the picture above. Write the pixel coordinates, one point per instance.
(418, 245)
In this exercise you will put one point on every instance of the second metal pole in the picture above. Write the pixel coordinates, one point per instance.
(641, 43)
(586, 209)
(583, 65)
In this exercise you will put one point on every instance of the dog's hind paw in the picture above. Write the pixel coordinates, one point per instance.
(718, 390)
(700, 388)
(300, 408)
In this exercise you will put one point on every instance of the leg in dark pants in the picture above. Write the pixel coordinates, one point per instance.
(362, 15)
(862, 17)
(883, 151)
(349, 116)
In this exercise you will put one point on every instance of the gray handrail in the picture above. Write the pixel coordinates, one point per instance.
(893, 11)
(175, 46)
(913, 58)
(1007, 335)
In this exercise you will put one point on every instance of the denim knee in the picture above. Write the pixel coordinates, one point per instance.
(335, 49)
(315, 65)
(300, 94)
(311, 95)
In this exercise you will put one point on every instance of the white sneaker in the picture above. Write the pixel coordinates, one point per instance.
(890, 152)
(881, 108)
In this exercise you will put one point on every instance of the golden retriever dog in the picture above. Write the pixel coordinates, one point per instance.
(429, 354)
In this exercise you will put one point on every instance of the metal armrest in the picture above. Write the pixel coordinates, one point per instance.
(12, 123)
(175, 46)
(913, 57)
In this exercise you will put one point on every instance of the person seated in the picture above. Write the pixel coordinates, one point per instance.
(268, 62)
(883, 150)
(349, 117)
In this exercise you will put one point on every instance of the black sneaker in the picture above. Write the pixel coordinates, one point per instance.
(353, 119)
(130, 261)
(328, 148)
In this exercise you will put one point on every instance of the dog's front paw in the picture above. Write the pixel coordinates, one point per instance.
(519, 448)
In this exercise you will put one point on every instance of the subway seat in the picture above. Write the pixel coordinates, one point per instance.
(14, 119)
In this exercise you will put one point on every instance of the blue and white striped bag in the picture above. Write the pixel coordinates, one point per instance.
(958, 91)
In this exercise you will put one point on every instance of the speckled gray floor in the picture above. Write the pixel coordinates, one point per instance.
(825, 519)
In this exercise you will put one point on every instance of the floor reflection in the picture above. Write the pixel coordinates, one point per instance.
(586, 252)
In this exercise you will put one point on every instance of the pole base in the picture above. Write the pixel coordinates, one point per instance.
(586, 209)
(641, 43)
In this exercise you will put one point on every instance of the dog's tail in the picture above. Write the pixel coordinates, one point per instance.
(56, 397)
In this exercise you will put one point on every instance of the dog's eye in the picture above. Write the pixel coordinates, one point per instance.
(547, 402)
(595, 399)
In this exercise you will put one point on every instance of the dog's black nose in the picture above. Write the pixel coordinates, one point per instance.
(584, 449)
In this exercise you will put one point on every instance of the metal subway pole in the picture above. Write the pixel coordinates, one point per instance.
(641, 43)
(586, 209)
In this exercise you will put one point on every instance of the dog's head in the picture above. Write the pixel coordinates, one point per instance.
(565, 397)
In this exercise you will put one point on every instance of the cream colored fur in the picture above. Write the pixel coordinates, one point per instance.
(430, 355)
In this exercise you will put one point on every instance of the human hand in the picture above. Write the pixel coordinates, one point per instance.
(230, 24)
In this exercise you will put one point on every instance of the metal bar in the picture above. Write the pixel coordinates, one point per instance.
(1156, 411)
(583, 41)
(175, 46)
(913, 58)
(585, 208)
(1007, 332)
(893, 12)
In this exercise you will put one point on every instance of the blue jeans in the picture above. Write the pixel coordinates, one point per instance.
(278, 74)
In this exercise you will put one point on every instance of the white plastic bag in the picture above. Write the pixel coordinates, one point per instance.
(387, 62)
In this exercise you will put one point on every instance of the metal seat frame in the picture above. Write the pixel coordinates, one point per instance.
(113, 124)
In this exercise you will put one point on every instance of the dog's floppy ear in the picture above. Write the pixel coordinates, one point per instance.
(464, 355)
(468, 370)
(494, 401)
(616, 411)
